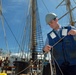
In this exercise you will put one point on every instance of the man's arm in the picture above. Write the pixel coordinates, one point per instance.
(72, 31)
(47, 47)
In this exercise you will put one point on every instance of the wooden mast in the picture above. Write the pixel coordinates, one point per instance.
(33, 28)
(68, 6)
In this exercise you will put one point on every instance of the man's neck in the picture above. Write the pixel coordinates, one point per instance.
(58, 27)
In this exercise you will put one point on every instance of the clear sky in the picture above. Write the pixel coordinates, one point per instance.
(14, 15)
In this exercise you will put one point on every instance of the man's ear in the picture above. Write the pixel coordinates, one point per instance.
(57, 19)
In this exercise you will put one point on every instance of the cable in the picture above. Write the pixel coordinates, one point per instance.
(26, 67)
(54, 57)
(5, 35)
(56, 63)
(74, 1)
(11, 31)
(44, 54)
(3, 27)
(45, 6)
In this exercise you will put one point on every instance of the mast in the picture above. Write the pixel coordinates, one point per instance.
(68, 6)
(2, 19)
(69, 11)
(33, 41)
(36, 32)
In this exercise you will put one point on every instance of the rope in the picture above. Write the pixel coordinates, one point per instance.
(45, 6)
(56, 63)
(44, 54)
(54, 57)
(50, 63)
(5, 35)
(26, 67)
(11, 31)
(3, 26)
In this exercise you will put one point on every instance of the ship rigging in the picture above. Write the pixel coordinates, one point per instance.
(30, 44)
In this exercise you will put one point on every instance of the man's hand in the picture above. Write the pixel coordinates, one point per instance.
(72, 32)
(47, 48)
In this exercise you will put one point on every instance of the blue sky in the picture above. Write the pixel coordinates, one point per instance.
(15, 11)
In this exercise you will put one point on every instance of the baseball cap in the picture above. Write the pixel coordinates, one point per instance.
(50, 17)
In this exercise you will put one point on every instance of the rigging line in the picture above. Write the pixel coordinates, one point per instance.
(53, 55)
(66, 13)
(26, 68)
(24, 36)
(28, 7)
(3, 26)
(56, 62)
(5, 35)
(74, 1)
(45, 6)
(21, 38)
(11, 31)
(44, 54)
(26, 25)
(22, 44)
(51, 68)
(27, 13)
(59, 4)
(58, 41)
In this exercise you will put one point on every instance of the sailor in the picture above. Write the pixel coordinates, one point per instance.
(64, 51)
(6, 63)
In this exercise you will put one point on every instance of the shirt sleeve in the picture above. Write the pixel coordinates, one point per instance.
(72, 27)
(47, 55)
(46, 41)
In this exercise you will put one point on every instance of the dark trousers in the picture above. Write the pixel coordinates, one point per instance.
(46, 69)
(66, 70)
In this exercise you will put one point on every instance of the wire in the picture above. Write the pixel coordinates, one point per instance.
(53, 55)
(5, 34)
(74, 1)
(11, 31)
(26, 68)
(45, 5)
(56, 63)
(44, 54)
(2, 19)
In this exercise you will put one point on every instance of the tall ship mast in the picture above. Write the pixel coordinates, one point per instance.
(36, 32)
(69, 12)
(30, 44)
